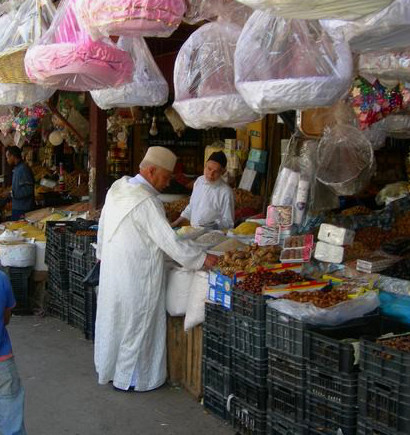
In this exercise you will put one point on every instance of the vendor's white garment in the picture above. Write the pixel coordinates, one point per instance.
(211, 203)
(130, 333)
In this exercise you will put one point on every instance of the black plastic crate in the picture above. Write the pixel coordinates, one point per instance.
(76, 283)
(249, 304)
(280, 425)
(384, 362)
(216, 377)
(246, 419)
(284, 333)
(215, 403)
(76, 319)
(77, 262)
(218, 317)
(291, 371)
(286, 400)
(325, 417)
(56, 234)
(216, 345)
(59, 279)
(77, 302)
(335, 387)
(77, 239)
(249, 336)
(255, 395)
(385, 403)
(367, 427)
(20, 283)
(254, 369)
(58, 305)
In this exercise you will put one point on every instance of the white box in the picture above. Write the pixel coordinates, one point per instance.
(335, 235)
(329, 253)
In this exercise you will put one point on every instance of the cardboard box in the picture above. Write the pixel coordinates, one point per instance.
(258, 167)
(220, 289)
(335, 235)
(329, 253)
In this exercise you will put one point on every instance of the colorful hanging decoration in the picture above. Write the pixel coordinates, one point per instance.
(373, 101)
(28, 120)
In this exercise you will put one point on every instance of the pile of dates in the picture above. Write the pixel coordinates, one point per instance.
(255, 282)
(320, 298)
(399, 343)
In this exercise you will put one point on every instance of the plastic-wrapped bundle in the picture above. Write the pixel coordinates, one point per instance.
(389, 67)
(23, 94)
(345, 160)
(388, 29)
(67, 58)
(148, 86)
(228, 10)
(205, 94)
(289, 64)
(132, 17)
(398, 126)
(376, 134)
(318, 9)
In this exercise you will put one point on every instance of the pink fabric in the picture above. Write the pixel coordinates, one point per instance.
(134, 17)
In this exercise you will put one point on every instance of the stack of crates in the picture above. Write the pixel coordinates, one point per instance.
(216, 367)
(20, 283)
(286, 375)
(249, 363)
(384, 388)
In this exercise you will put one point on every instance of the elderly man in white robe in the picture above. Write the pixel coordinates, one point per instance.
(133, 235)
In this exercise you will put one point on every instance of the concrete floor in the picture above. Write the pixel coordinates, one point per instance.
(56, 365)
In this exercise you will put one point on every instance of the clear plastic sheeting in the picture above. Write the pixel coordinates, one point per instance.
(23, 94)
(398, 126)
(345, 160)
(205, 93)
(131, 17)
(388, 29)
(67, 58)
(390, 67)
(318, 9)
(228, 10)
(148, 86)
(376, 134)
(289, 64)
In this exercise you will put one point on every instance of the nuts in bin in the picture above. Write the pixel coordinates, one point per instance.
(399, 343)
(255, 282)
(320, 298)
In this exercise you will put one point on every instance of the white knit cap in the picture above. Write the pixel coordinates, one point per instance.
(160, 156)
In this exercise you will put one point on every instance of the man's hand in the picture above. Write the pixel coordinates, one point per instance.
(210, 261)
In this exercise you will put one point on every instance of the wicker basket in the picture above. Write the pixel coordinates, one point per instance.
(12, 68)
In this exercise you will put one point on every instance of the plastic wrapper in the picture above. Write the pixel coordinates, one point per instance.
(396, 306)
(195, 311)
(179, 284)
(336, 315)
(345, 160)
(398, 126)
(24, 94)
(393, 192)
(228, 10)
(67, 58)
(205, 93)
(131, 17)
(388, 29)
(290, 64)
(376, 134)
(148, 86)
(317, 9)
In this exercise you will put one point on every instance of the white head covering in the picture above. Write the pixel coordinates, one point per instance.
(160, 156)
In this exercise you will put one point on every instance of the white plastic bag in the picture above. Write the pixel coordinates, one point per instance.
(289, 64)
(388, 29)
(336, 315)
(195, 313)
(179, 286)
(23, 94)
(67, 58)
(148, 86)
(205, 94)
(18, 255)
(317, 9)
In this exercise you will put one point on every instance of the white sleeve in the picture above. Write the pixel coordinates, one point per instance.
(159, 230)
(186, 213)
(228, 210)
(100, 234)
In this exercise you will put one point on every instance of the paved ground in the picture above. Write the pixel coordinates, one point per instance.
(62, 395)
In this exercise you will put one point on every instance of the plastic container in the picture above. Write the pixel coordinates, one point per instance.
(255, 395)
(76, 240)
(216, 377)
(280, 425)
(385, 403)
(215, 403)
(279, 215)
(325, 417)
(76, 319)
(249, 304)
(246, 419)
(340, 388)
(384, 362)
(76, 284)
(299, 241)
(216, 345)
(289, 371)
(77, 261)
(368, 427)
(253, 369)
(77, 302)
(249, 336)
(286, 400)
(296, 255)
(217, 317)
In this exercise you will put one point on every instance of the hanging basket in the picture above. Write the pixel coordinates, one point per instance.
(12, 66)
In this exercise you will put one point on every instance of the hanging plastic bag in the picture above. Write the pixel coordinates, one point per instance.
(282, 65)
(376, 134)
(148, 87)
(398, 126)
(205, 94)
(318, 9)
(388, 29)
(24, 28)
(345, 160)
(67, 58)
(24, 94)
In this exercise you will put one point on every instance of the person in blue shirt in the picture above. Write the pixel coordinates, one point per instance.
(22, 184)
(11, 390)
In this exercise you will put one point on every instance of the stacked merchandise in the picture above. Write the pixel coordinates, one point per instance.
(384, 386)
(217, 359)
